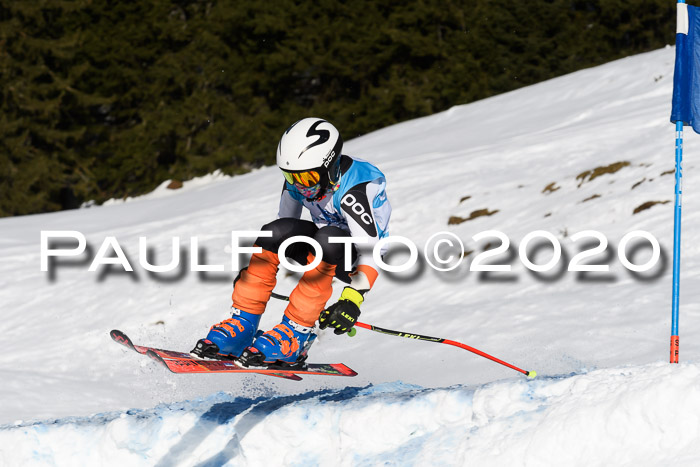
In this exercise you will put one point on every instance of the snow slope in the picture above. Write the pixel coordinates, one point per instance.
(500, 154)
(617, 416)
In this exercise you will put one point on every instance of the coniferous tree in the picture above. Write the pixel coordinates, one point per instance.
(104, 98)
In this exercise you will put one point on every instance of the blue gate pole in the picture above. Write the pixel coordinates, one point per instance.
(677, 243)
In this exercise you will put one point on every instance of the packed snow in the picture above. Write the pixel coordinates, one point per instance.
(578, 153)
(641, 415)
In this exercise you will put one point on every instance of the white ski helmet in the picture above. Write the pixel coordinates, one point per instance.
(309, 156)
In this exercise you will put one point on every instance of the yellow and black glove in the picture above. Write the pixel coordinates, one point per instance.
(342, 315)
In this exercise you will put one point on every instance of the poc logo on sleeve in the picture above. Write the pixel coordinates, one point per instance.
(357, 208)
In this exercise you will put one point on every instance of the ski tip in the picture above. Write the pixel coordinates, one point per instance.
(121, 338)
(343, 369)
(531, 374)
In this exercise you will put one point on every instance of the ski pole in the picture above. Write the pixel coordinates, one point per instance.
(439, 340)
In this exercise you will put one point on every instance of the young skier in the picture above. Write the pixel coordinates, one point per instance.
(346, 198)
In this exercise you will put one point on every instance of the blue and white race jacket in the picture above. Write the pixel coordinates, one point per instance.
(359, 206)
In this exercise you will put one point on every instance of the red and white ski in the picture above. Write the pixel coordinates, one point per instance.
(181, 362)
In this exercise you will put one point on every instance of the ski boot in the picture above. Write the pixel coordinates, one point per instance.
(229, 338)
(284, 346)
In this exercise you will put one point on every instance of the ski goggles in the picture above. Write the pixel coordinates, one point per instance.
(307, 183)
(305, 179)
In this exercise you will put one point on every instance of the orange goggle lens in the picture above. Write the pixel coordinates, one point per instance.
(307, 179)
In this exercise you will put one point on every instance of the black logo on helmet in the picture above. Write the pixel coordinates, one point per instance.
(327, 160)
(292, 126)
(323, 136)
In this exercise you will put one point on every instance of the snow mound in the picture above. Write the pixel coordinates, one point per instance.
(636, 415)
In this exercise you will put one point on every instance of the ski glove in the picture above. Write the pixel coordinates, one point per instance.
(343, 314)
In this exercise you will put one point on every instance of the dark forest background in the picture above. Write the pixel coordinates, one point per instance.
(102, 99)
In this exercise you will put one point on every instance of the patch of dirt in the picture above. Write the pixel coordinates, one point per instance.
(639, 183)
(590, 198)
(456, 220)
(647, 205)
(590, 175)
(551, 188)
